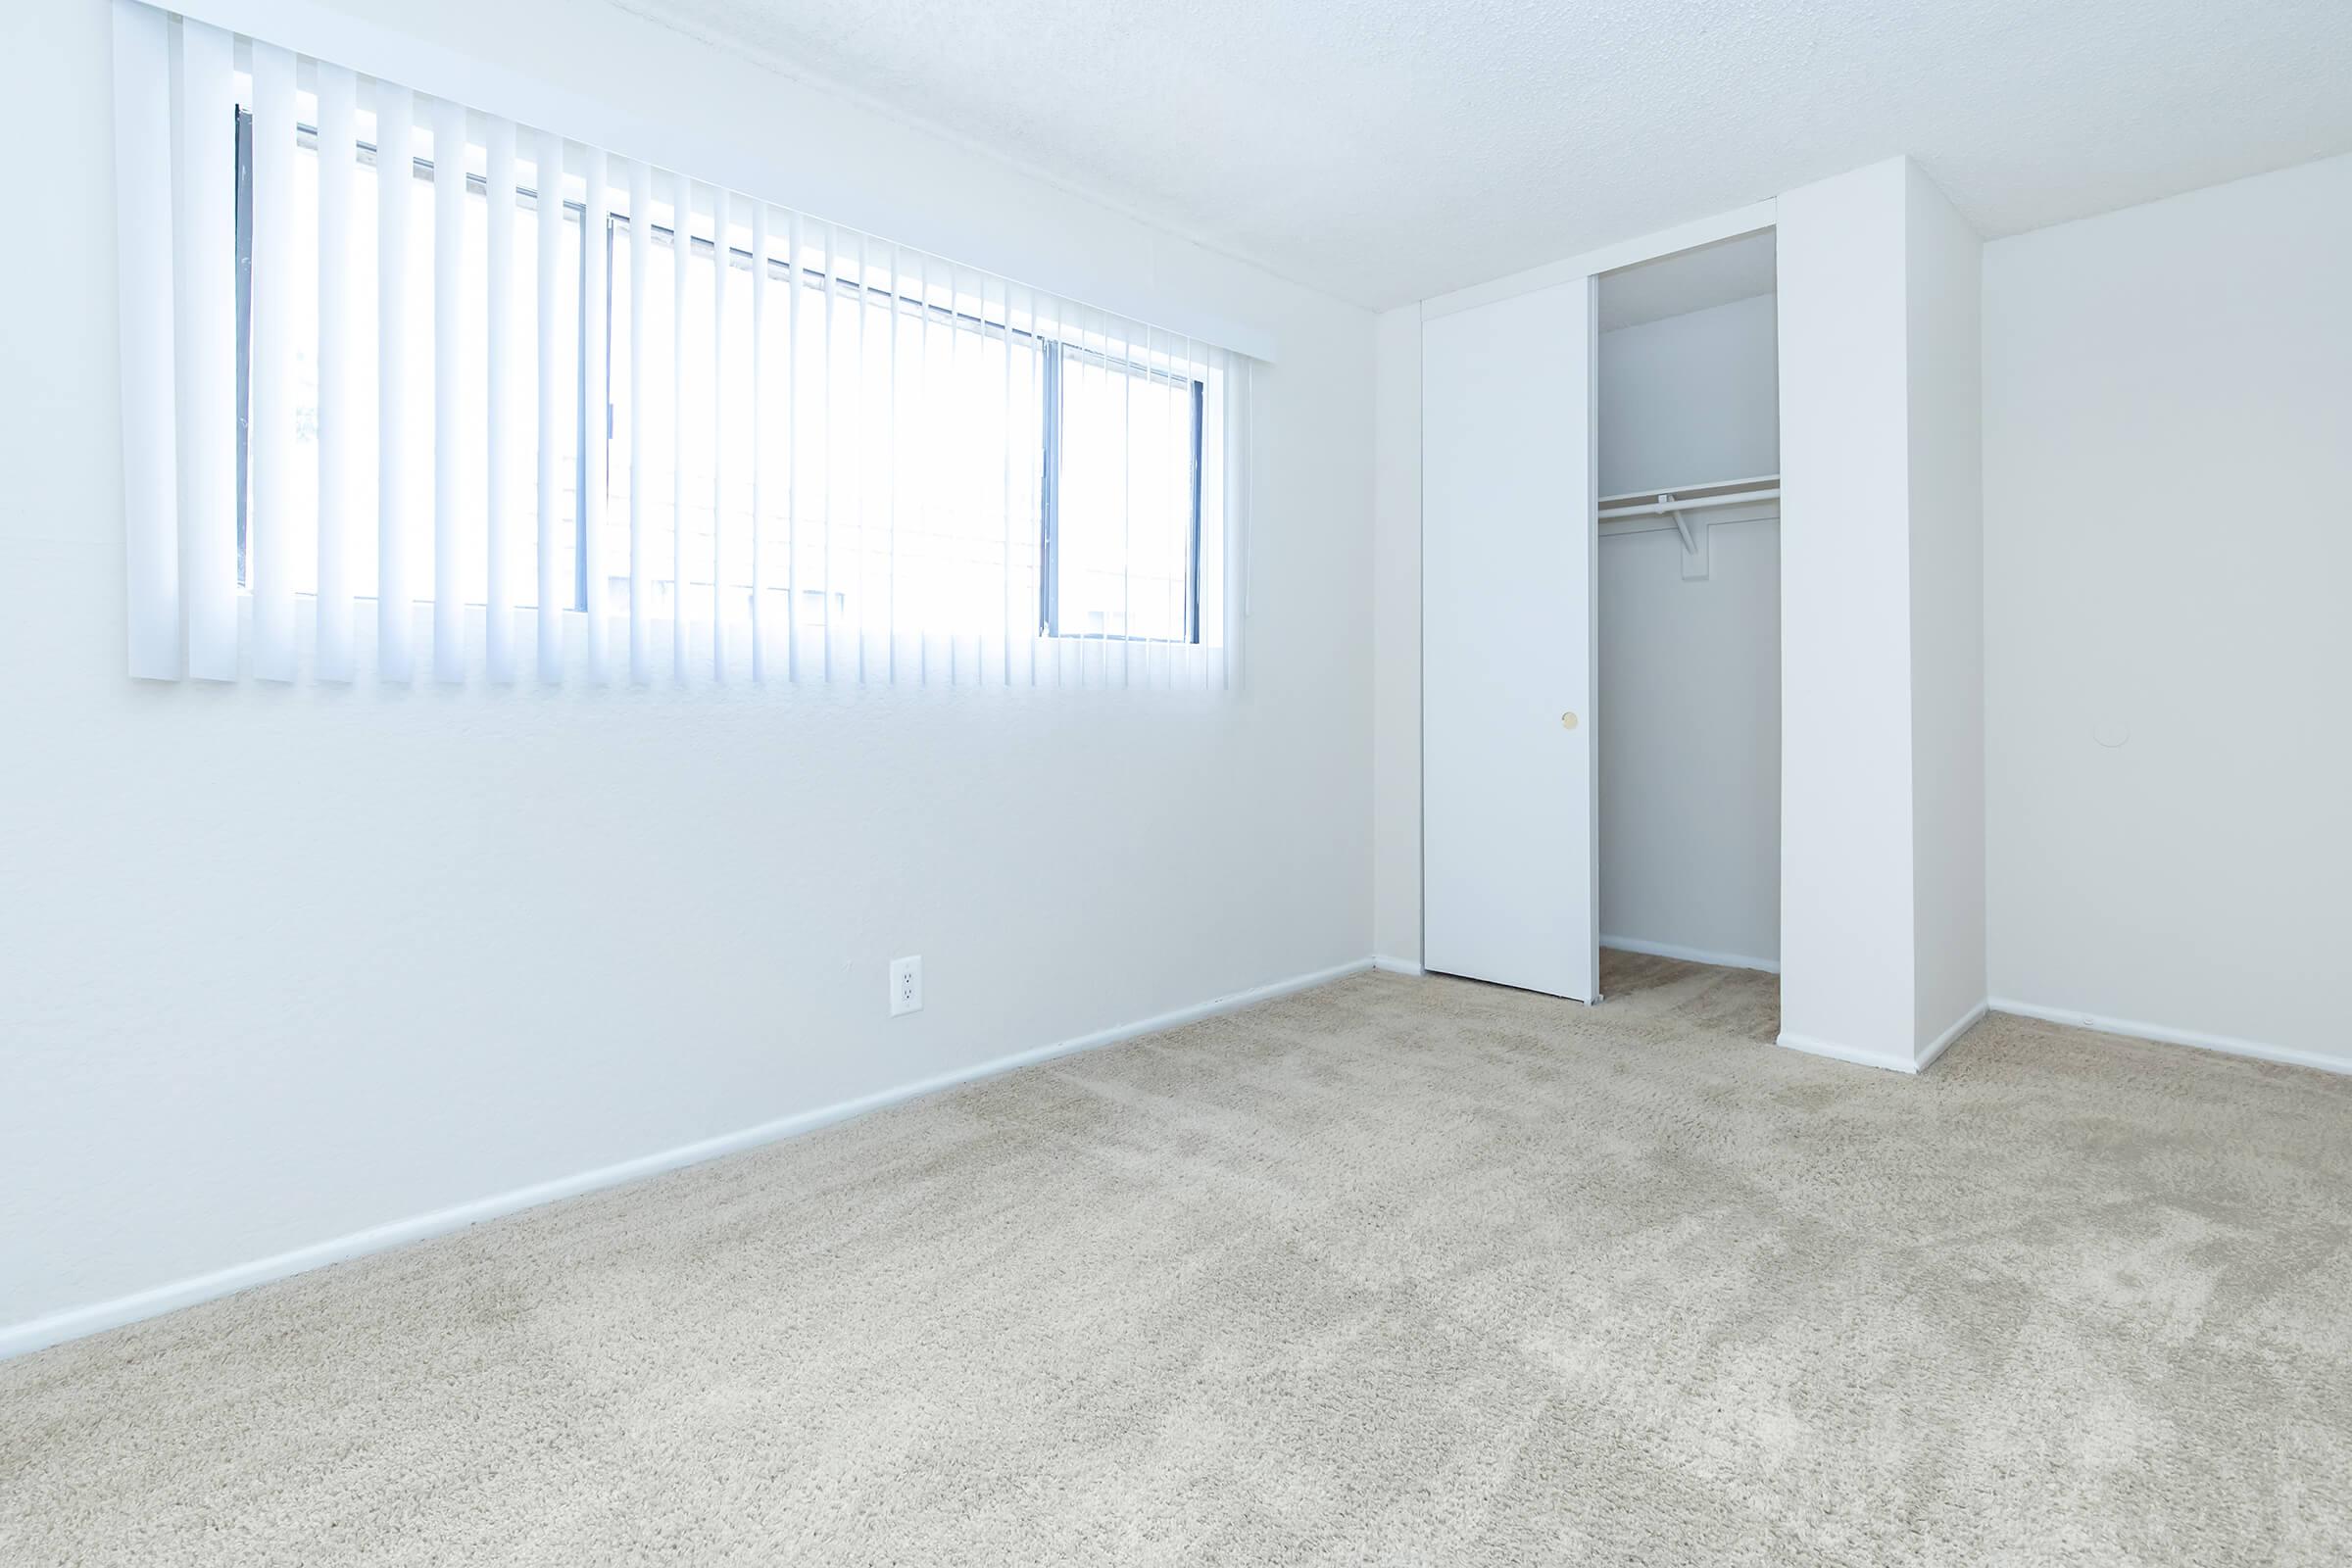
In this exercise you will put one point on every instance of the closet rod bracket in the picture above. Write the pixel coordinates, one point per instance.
(1696, 564)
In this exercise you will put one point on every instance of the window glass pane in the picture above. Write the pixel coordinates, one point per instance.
(972, 543)
(912, 491)
(1123, 532)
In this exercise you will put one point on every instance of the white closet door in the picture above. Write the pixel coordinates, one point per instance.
(1508, 547)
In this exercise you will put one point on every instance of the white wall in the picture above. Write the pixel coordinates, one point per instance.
(1943, 277)
(280, 965)
(1691, 764)
(1691, 398)
(1881, 834)
(1396, 649)
(2168, 457)
(1690, 671)
(1847, 955)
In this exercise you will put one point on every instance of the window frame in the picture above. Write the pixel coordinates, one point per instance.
(1049, 506)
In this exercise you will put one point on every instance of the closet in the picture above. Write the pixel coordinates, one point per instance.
(1688, 601)
(1650, 715)
(1600, 598)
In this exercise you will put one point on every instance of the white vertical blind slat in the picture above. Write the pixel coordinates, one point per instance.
(924, 460)
(1006, 587)
(395, 186)
(828, 304)
(1159, 654)
(858, 456)
(340, 432)
(947, 435)
(269, 520)
(1094, 367)
(1240, 416)
(681, 255)
(641, 263)
(1178, 500)
(204, 239)
(759, 218)
(143, 186)
(501, 431)
(449, 315)
(1046, 320)
(1205, 595)
(890, 436)
(1126, 506)
(1098, 370)
(721, 265)
(1033, 497)
(792, 451)
(1152, 652)
(1212, 557)
(595, 421)
(1181, 666)
(555, 411)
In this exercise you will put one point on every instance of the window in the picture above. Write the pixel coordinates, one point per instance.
(1096, 519)
(1112, 567)
(430, 389)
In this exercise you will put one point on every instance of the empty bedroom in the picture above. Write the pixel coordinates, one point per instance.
(1250, 783)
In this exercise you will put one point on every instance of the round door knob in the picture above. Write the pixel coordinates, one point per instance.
(1567, 721)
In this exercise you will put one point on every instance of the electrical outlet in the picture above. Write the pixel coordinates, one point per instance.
(906, 985)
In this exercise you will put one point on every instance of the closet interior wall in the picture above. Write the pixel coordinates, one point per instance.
(1689, 763)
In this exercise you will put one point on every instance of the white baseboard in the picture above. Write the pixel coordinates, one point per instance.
(2256, 1049)
(1388, 965)
(1812, 1046)
(74, 1322)
(1893, 1062)
(1667, 949)
(1942, 1042)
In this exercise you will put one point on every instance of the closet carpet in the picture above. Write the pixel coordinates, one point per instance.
(1394, 1271)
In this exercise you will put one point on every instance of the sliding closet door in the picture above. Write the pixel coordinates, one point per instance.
(1509, 545)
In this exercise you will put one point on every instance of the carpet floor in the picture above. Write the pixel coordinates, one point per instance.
(1394, 1271)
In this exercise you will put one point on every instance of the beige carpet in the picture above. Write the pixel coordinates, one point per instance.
(1397, 1271)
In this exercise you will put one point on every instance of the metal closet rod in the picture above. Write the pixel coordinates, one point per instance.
(1719, 493)
(1661, 508)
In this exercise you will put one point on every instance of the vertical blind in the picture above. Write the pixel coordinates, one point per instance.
(412, 392)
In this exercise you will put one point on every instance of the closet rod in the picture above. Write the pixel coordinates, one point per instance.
(1661, 508)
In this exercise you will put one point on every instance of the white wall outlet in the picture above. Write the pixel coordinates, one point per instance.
(906, 985)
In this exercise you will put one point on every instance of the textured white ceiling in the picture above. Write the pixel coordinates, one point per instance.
(1389, 150)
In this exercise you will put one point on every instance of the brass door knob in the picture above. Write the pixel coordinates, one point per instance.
(1567, 721)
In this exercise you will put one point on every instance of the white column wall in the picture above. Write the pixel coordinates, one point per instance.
(1945, 280)
(1847, 959)
(1396, 644)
